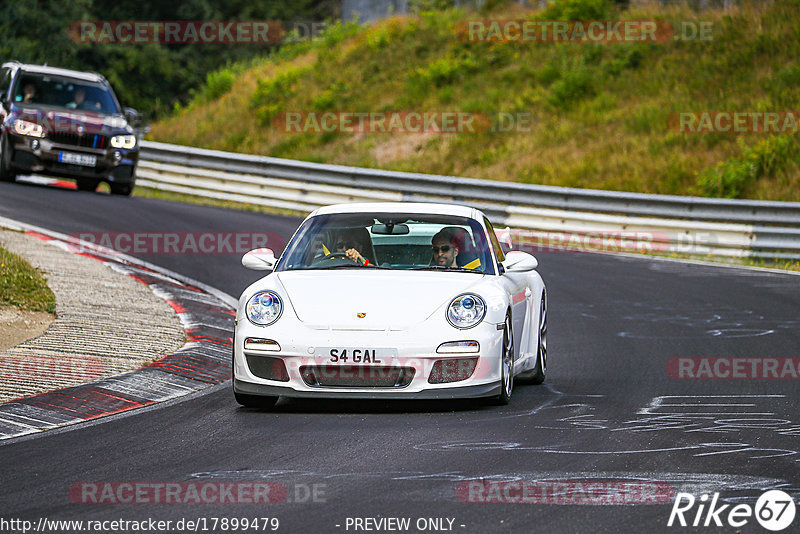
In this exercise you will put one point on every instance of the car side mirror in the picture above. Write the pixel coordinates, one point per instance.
(519, 262)
(131, 115)
(260, 259)
(5, 103)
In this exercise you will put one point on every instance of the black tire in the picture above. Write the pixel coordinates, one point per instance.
(7, 174)
(124, 190)
(87, 185)
(255, 401)
(537, 374)
(507, 364)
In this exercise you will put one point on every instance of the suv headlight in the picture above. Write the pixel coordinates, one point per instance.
(28, 128)
(466, 311)
(123, 141)
(264, 308)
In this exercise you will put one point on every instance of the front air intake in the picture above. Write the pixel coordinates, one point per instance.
(356, 376)
(266, 367)
(452, 370)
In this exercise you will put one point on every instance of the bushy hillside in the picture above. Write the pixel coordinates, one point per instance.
(600, 112)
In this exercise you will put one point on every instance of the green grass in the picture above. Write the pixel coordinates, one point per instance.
(600, 111)
(22, 286)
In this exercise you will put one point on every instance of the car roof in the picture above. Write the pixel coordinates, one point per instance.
(399, 207)
(55, 71)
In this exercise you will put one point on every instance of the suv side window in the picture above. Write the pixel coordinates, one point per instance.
(498, 250)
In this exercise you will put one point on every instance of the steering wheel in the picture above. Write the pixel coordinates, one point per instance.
(335, 256)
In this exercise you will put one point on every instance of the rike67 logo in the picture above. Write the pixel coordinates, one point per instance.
(774, 510)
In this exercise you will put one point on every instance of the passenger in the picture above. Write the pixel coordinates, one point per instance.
(79, 101)
(467, 257)
(444, 248)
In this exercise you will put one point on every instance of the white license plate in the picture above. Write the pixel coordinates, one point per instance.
(347, 355)
(77, 159)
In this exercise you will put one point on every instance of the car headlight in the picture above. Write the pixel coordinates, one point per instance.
(123, 141)
(466, 311)
(28, 128)
(264, 308)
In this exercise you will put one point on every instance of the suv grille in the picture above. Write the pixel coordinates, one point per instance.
(74, 139)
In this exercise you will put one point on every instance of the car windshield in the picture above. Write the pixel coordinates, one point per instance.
(56, 91)
(389, 241)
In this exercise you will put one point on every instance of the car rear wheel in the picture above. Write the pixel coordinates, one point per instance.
(255, 401)
(87, 185)
(507, 363)
(121, 189)
(6, 173)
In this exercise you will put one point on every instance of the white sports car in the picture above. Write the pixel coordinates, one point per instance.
(390, 300)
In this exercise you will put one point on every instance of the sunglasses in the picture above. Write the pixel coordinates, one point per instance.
(443, 248)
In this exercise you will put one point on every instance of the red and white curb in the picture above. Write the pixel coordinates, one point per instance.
(45, 180)
(206, 314)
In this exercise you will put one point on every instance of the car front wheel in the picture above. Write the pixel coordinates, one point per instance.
(87, 185)
(121, 189)
(537, 374)
(6, 173)
(507, 363)
(255, 401)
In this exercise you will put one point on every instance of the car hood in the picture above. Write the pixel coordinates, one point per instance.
(389, 299)
(74, 121)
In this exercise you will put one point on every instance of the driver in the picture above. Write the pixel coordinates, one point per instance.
(347, 243)
(29, 92)
(443, 246)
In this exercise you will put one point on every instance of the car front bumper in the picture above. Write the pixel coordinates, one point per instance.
(451, 392)
(414, 348)
(44, 159)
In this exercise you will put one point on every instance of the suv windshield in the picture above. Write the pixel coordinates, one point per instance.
(56, 91)
(389, 241)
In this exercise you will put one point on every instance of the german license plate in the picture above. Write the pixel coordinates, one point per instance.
(86, 160)
(356, 354)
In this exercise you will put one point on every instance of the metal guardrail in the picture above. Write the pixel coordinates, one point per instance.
(691, 225)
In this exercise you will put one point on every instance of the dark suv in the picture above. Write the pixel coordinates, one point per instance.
(65, 123)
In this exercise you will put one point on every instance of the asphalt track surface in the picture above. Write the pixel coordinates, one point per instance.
(609, 410)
